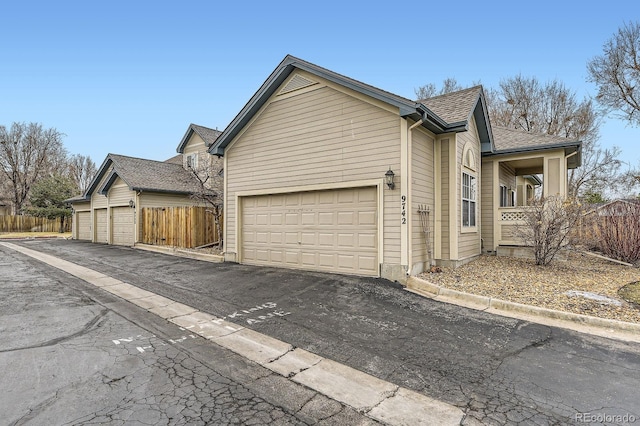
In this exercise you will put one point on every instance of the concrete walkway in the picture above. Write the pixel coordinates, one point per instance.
(378, 399)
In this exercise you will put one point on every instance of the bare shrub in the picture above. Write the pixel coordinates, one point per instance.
(548, 226)
(616, 231)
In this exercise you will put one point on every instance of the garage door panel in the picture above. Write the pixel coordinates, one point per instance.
(276, 219)
(309, 259)
(326, 197)
(122, 226)
(366, 218)
(367, 240)
(366, 262)
(262, 219)
(102, 223)
(333, 230)
(326, 218)
(345, 218)
(308, 218)
(346, 240)
(346, 261)
(83, 227)
(292, 257)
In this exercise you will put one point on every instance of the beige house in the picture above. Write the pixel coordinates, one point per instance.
(325, 173)
(110, 211)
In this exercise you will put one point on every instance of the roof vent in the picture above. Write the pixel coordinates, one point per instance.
(296, 83)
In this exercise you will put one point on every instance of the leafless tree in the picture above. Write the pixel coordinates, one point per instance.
(82, 170)
(27, 153)
(430, 90)
(526, 104)
(209, 175)
(617, 73)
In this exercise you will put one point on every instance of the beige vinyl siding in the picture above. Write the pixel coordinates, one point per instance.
(98, 200)
(422, 188)
(444, 197)
(119, 194)
(469, 242)
(507, 177)
(317, 137)
(486, 203)
(196, 145)
(152, 199)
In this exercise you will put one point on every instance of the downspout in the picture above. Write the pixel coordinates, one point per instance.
(407, 250)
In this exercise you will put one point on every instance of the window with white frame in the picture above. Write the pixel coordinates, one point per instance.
(469, 197)
(192, 161)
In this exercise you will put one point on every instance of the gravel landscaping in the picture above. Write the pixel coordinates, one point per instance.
(582, 284)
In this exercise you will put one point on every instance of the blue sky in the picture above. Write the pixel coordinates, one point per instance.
(128, 77)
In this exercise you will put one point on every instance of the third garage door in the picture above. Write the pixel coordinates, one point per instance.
(333, 230)
(123, 227)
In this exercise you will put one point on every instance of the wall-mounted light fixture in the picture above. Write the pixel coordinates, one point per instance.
(389, 179)
(132, 204)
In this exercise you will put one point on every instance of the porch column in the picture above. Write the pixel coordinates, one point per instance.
(555, 182)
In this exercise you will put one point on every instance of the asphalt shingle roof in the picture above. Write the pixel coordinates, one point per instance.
(454, 107)
(208, 135)
(505, 139)
(154, 176)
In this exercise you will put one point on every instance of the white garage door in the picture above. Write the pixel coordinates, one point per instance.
(334, 230)
(101, 225)
(123, 229)
(83, 227)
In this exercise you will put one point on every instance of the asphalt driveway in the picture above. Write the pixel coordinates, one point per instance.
(498, 370)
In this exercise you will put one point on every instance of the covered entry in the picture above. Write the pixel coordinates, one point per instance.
(331, 230)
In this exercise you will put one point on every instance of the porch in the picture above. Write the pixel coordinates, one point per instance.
(513, 182)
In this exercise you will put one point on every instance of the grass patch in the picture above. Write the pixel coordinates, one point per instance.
(631, 293)
(35, 235)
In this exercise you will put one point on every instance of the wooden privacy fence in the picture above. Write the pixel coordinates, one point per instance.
(185, 227)
(32, 224)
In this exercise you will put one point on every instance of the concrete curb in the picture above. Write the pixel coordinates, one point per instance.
(181, 253)
(367, 394)
(626, 331)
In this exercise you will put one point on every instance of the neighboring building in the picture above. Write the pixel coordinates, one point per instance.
(5, 210)
(307, 160)
(619, 207)
(110, 210)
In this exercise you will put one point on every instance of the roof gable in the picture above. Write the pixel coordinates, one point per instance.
(208, 135)
(143, 175)
(406, 108)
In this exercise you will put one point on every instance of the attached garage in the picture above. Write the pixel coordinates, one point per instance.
(331, 230)
(122, 226)
(102, 222)
(83, 226)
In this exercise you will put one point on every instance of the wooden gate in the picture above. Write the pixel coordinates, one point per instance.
(185, 227)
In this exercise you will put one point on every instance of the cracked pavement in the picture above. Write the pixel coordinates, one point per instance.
(497, 370)
(71, 354)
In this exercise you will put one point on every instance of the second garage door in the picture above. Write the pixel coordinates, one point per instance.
(123, 227)
(333, 231)
(102, 223)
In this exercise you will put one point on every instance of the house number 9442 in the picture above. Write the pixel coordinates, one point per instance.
(403, 209)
